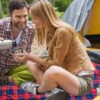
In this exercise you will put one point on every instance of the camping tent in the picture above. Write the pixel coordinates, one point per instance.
(84, 16)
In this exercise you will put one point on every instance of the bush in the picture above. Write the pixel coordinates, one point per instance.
(61, 6)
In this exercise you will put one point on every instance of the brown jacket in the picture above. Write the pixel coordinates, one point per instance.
(66, 50)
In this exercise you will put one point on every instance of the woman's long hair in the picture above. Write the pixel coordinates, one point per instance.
(44, 10)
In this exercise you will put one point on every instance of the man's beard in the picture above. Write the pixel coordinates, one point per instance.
(19, 25)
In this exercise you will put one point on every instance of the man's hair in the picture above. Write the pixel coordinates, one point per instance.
(16, 5)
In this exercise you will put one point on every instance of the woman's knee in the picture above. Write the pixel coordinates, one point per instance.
(53, 71)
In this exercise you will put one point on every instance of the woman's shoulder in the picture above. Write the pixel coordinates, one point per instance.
(66, 30)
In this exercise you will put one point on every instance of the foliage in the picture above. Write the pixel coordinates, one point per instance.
(29, 1)
(59, 13)
(60, 6)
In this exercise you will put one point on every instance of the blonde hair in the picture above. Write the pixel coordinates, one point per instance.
(44, 10)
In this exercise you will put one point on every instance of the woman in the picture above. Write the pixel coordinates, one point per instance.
(67, 65)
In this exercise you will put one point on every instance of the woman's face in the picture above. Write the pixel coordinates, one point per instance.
(38, 22)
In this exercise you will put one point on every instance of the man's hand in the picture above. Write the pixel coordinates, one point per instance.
(21, 57)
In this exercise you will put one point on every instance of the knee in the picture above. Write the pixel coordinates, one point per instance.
(53, 71)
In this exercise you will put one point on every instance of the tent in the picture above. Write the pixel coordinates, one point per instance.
(84, 16)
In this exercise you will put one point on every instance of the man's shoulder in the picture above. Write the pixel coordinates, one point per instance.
(4, 21)
(30, 25)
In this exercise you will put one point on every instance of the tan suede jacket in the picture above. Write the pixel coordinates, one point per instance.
(66, 50)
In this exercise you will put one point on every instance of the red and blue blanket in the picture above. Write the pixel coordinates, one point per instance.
(13, 92)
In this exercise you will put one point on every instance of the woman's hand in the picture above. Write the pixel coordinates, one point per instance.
(21, 57)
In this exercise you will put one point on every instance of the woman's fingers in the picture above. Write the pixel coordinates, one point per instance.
(20, 54)
(15, 58)
(21, 57)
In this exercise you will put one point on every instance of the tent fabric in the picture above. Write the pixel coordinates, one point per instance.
(94, 27)
(94, 54)
(77, 12)
(73, 12)
(84, 16)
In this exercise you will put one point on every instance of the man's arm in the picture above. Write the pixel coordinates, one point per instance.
(30, 37)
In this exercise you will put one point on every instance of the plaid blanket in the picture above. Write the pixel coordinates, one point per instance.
(13, 92)
(96, 82)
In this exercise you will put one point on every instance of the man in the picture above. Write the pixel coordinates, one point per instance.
(17, 28)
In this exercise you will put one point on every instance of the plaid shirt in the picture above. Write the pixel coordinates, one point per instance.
(6, 59)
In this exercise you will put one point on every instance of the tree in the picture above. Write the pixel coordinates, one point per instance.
(7, 7)
(29, 1)
(62, 4)
(0, 9)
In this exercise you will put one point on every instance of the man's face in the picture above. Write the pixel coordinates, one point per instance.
(19, 18)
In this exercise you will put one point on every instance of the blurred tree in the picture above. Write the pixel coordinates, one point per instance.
(5, 4)
(60, 6)
(29, 1)
(0, 9)
(7, 7)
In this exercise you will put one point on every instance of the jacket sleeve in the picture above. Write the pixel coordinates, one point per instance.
(63, 42)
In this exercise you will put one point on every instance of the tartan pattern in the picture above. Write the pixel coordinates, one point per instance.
(96, 81)
(13, 92)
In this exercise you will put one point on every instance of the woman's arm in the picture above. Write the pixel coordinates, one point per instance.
(63, 41)
(59, 52)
